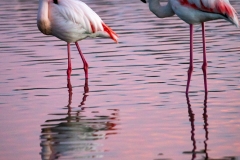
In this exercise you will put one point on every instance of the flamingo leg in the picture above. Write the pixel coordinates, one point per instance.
(190, 70)
(85, 64)
(69, 69)
(204, 66)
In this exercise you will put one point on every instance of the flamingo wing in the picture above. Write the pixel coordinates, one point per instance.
(79, 13)
(214, 6)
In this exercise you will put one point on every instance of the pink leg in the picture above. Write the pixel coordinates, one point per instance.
(85, 64)
(190, 70)
(69, 70)
(204, 66)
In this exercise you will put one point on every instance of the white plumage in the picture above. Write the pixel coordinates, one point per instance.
(71, 21)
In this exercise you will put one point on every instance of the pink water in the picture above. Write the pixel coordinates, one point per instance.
(133, 106)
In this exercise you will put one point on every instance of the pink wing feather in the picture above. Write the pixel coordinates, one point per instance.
(214, 6)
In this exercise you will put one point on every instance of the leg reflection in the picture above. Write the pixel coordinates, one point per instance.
(191, 119)
(86, 90)
(77, 133)
(69, 85)
(205, 126)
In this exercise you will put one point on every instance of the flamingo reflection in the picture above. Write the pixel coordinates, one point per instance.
(77, 133)
(194, 151)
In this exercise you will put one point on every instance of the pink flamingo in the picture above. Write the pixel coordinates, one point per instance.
(195, 12)
(71, 21)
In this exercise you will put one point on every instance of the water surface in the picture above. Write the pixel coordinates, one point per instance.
(133, 105)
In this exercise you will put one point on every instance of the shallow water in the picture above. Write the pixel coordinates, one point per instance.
(133, 105)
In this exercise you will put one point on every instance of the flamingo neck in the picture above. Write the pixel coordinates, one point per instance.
(43, 21)
(161, 11)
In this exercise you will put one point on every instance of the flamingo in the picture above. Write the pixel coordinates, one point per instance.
(71, 21)
(196, 12)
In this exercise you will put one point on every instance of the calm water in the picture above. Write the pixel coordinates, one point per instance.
(133, 106)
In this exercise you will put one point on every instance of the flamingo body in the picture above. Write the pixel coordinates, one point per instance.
(198, 11)
(195, 12)
(71, 21)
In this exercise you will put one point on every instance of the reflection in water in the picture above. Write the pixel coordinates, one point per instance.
(142, 75)
(205, 126)
(77, 134)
